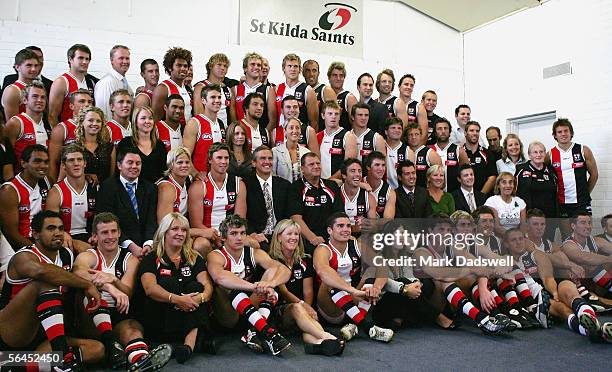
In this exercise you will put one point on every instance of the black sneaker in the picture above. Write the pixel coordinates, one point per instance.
(493, 325)
(274, 341)
(155, 360)
(540, 309)
(606, 332)
(73, 361)
(591, 326)
(253, 342)
(596, 304)
(518, 319)
(115, 355)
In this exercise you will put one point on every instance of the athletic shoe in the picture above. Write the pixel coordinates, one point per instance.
(115, 355)
(529, 317)
(493, 325)
(597, 305)
(73, 361)
(154, 361)
(591, 326)
(274, 341)
(606, 332)
(380, 334)
(348, 331)
(518, 319)
(253, 342)
(541, 308)
(504, 320)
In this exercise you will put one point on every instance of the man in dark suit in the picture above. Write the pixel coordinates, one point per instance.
(411, 200)
(133, 200)
(466, 197)
(261, 221)
(378, 111)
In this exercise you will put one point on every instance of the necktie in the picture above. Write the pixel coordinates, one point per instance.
(471, 202)
(411, 200)
(269, 209)
(131, 190)
(124, 82)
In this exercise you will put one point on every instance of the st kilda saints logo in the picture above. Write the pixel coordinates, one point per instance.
(335, 17)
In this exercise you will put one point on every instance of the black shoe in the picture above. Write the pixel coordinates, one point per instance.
(274, 341)
(155, 360)
(494, 325)
(115, 355)
(540, 309)
(596, 304)
(73, 361)
(591, 326)
(182, 353)
(518, 319)
(252, 340)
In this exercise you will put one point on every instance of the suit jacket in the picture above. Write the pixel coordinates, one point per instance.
(281, 163)
(378, 115)
(462, 205)
(256, 204)
(113, 197)
(422, 207)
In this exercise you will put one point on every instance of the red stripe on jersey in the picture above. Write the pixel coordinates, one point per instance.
(27, 137)
(73, 85)
(280, 92)
(163, 133)
(555, 158)
(320, 137)
(66, 205)
(240, 96)
(208, 201)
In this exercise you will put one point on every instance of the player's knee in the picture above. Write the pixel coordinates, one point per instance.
(202, 245)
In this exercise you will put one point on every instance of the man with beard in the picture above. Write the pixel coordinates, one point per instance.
(452, 156)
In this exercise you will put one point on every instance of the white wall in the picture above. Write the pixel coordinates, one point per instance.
(503, 74)
(396, 36)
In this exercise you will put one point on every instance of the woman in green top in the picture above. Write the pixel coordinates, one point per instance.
(441, 201)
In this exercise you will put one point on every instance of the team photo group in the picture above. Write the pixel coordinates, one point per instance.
(141, 224)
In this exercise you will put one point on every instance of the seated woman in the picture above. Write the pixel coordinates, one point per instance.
(297, 295)
(287, 156)
(151, 149)
(99, 152)
(172, 192)
(241, 155)
(509, 209)
(177, 288)
(441, 201)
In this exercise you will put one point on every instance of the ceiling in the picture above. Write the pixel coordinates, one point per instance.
(464, 15)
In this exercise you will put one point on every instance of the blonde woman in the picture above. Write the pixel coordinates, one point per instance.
(144, 139)
(512, 154)
(99, 152)
(178, 288)
(509, 209)
(441, 201)
(297, 294)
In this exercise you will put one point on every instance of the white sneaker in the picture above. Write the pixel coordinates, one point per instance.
(348, 331)
(381, 334)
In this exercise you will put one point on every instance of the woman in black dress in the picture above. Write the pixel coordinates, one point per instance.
(240, 154)
(144, 139)
(99, 152)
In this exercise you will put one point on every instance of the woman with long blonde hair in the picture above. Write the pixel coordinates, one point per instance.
(297, 295)
(99, 152)
(144, 139)
(177, 287)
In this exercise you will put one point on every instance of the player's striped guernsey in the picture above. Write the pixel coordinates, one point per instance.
(174, 88)
(69, 131)
(219, 202)
(72, 85)
(226, 99)
(117, 267)
(332, 150)
(256, 136)
(450, 161)
(244, 267)
(209, 132)
(75, 207)
(422, 164)
(242, 91)
(394, 157)
(300, 92)
(571, 169)
(545, 246)
(12, 287)
(29, 201)
(356, 207)
(117, 131)
(366, 143)
(389, 102)
(348, 263)
(31, 133)
(20, 86)
(342, 99)
(180, 199)
(589, 246)
(412, 110)
(147, 93)
(172, 138)
(381, 193)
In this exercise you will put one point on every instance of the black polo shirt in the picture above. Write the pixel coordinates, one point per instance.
(301, 270)
(184, 274)
(315, 204)
(483, 162)
(538, 188)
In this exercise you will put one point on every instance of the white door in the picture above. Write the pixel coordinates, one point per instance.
(536, 127)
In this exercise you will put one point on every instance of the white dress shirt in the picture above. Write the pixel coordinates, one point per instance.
(110, 83)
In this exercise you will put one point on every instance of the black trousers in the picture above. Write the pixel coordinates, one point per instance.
(411, 311)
